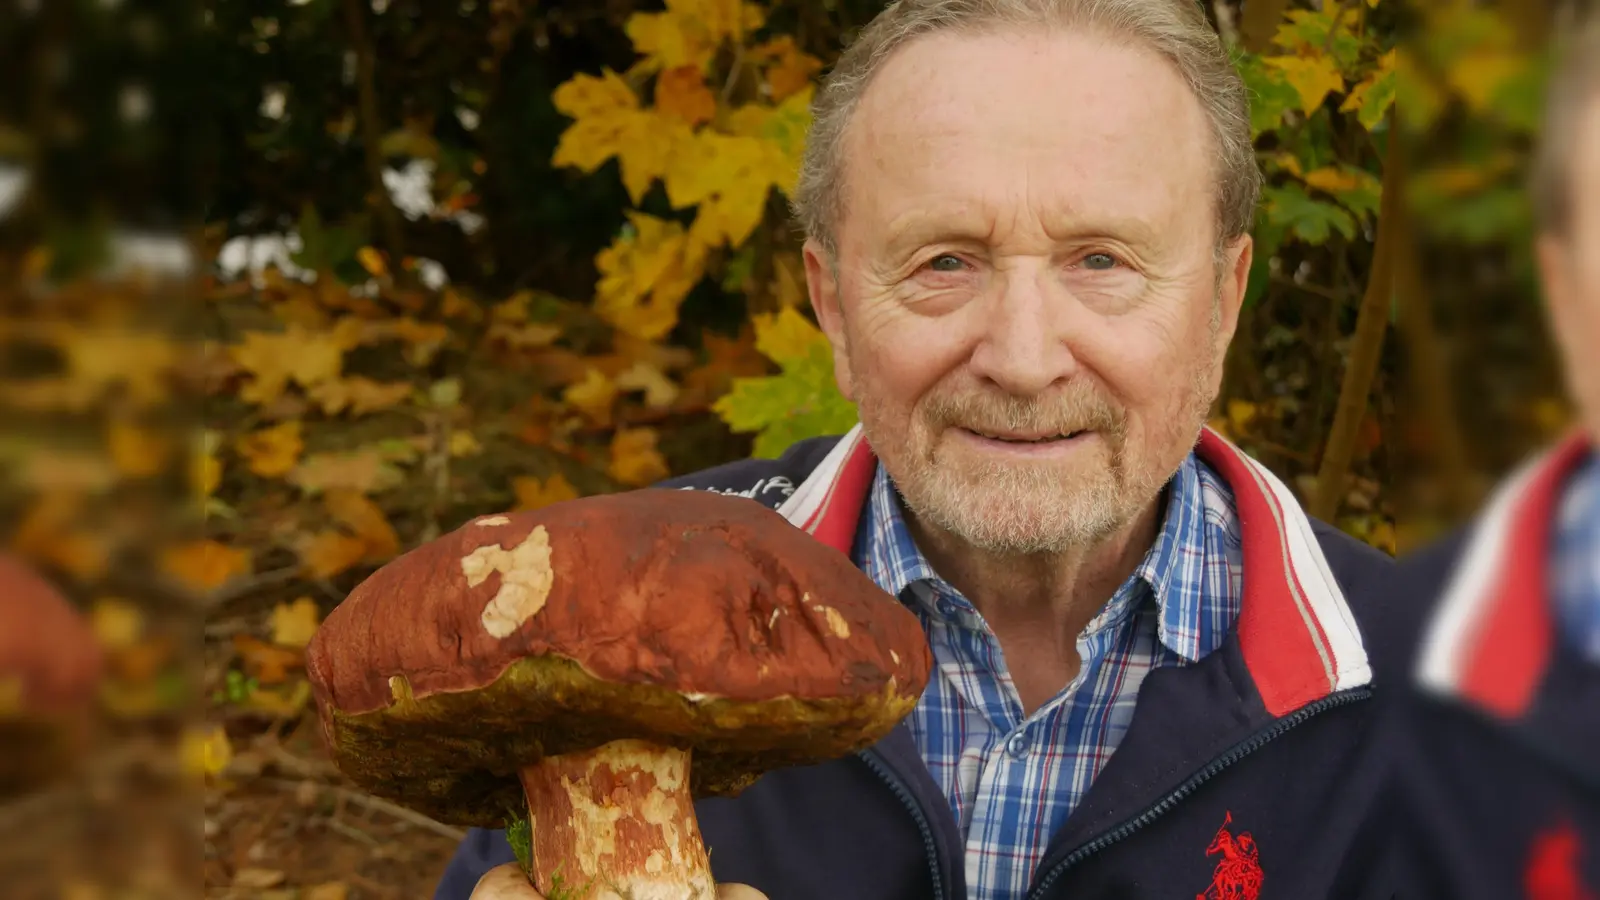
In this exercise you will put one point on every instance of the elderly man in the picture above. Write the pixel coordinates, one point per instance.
(1500, 756)
(1028, 242)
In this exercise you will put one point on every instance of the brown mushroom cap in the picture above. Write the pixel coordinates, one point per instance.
(50, 667)
(688, 618)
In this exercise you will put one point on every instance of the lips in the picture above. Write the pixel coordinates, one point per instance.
(1024, 437)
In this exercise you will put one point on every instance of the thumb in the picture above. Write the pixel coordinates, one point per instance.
(507, 882)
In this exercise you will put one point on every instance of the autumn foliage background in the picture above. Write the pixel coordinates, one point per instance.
(291, 287)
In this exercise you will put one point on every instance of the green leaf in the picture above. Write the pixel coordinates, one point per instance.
(1271, 95)
(1313, 78)
(1309, 219)
(802, 401)
(739, 268)
(1307, 30)
(519, 834)
(1372, 98)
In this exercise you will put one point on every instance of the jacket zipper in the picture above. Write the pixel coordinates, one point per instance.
(1161, 807)
(887, 775)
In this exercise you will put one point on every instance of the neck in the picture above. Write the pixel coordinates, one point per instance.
(1056, 593)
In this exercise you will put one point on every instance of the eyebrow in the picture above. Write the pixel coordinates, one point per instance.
(921, 227)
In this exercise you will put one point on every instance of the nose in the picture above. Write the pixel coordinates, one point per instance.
(1024, 348)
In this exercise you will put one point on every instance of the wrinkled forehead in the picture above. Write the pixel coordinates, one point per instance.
(1067, 123)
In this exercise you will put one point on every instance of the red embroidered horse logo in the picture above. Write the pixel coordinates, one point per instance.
(1238, 874)
(1552, 872)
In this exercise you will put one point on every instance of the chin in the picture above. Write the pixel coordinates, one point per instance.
(1022, 511)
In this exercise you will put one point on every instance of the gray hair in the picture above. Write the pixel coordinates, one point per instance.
(1176, 29)
(1572, 93)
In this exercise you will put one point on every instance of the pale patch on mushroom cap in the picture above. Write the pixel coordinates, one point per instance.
(525, 580)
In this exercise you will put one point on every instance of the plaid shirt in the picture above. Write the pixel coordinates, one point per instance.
(1013, 780)
(1577, 559)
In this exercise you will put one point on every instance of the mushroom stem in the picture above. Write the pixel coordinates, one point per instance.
(616, 823)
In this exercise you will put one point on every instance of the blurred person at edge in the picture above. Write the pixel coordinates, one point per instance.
(1498, 766)
(1028, 240)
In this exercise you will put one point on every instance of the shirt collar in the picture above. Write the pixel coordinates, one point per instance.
(1576, 584)
(887, 553)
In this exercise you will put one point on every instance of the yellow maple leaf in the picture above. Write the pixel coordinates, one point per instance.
(105, 357)
(1387, 65)
(272, 452)
(293, 624)
(659, 390)
(330, 890)
(329, 552)
(531, 336)
(682, 94)
(464, 443)
(635, 461)
(645, 276)
(535, 494)
(205, 751)
(358, 394)
(691, 32)
(1241, 415)
(205, 565)
(608, 121)
(366, 470)
(593, 396)
(51, 533)
(732, 172)
(1312, 77)
(727, 359)
(454, 306)
(117, 624)
(59, 469)
(136, 452)
(372, 260)
(1333, 180)
(274, 359)
(422, 339)
(786, 335)
(205, 470)
(1479, 75)
(353, 510)
(789, 70)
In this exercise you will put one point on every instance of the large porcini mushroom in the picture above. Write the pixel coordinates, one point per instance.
(50, 666)
(597, 664)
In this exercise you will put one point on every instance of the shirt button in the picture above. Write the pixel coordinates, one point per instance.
(1017, 746)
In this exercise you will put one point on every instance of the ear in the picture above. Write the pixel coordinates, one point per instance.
(1556, 278)
(823, 289)
(1562, 305)
(1235, 281)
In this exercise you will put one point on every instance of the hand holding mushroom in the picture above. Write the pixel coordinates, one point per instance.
(509, 882)
(596, 665)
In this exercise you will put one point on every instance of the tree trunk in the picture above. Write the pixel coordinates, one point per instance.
(1366, 346)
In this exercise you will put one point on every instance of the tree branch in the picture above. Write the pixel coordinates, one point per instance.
(1366, 346)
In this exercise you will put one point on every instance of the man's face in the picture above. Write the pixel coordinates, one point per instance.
(1028, 252)
(1571, 267)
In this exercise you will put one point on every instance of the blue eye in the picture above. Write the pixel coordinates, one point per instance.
(946, 263)
(1099, 262)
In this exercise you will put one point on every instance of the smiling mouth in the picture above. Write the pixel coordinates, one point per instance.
(1025, 438)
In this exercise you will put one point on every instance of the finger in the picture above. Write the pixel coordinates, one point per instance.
(738, 892)
(507, 882)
